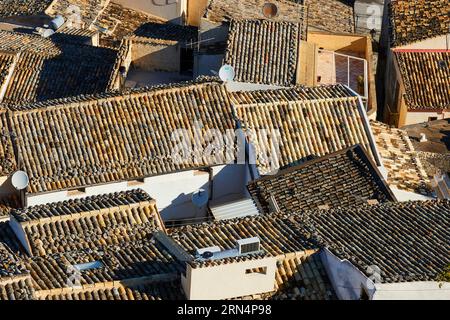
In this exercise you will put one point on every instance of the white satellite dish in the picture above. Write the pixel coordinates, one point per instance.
(20, 180)
(227, 73)
(200, 198)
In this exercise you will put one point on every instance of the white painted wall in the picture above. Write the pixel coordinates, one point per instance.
(419, 290)
(348, 282)
(441, 42)
(346, 279)
(419, 117)
(403, 196)
(172, 192)
(229, 280)
(170, 10)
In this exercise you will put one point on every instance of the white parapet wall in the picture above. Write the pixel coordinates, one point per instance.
(418, 290)
(231, 280)
(172, 192)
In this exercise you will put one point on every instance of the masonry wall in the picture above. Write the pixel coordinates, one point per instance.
(196, 9)
(170, 10)
(152, 56)
(229, 280)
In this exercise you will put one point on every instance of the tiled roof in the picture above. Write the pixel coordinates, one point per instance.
(298, 276)
(89, 9)
(263, 51)
(132, 135)
(417, 20)
(331, 15)
(10, 264)
(16, 42)
(167, 31)
(226, 10)
(405, 170)
(290, 94)
(123, 261)
(302, 277)
(20, 289)
(168, 290)
(305, 127)
(6, 62)
(7, 158)
(48, 70)
(408, 241)
(426, 76)
(10, 8)
(89, 223)
(120, 22)
(275, 234)
(341, 179)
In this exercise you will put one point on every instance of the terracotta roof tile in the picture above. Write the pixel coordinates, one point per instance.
(226, 10)
(10, 8)
(122, 261)
(331, 15)
(263, 51)
(275, 235)
(47, 69)
(306, 127)
(7, 158)
(426, 76)
(417, 20)
(341, 179)
(90, 222)
(168, 290)
(133, 134)
(20, 289)
(408, 241)
(405, 170)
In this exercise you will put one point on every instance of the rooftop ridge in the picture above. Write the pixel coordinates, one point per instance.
(75, 101)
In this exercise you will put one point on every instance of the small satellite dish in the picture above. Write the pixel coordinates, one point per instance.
(200, 198)
(20, 180)
(226, 73)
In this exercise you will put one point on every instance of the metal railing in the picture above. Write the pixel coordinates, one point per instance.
(348, 80)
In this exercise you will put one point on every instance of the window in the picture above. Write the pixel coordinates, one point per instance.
(260, 270)
(432, 119)
(270, 10)
(76, 192)
(136, 182)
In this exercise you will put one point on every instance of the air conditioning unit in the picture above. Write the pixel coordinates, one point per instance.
(249, 245)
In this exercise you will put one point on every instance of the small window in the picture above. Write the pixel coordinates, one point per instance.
(76, 192)
(270, 10)
(432, 119)
(137, 182)
(261, 270)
